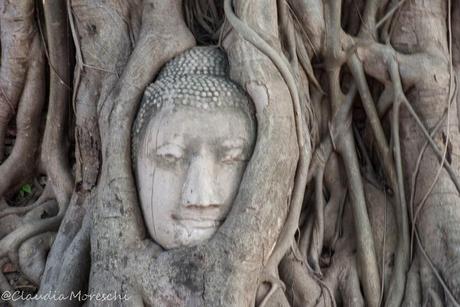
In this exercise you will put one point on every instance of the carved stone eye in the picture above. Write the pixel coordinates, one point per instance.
(170, 153)
(170, 158)
(233, 155)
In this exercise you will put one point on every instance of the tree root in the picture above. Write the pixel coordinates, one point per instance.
(444, 286)
(413, 294)
(287, 234)
(339, 124)
(414, 180)
(368, 266)
(396, 291)
(302, 288)
(350, 290)
(317, 235)
(17, 36)
(32, 255)
(274, 283)
(55, 144)
(46, 195)
(58, 274)
(33, 225)
(21, 163)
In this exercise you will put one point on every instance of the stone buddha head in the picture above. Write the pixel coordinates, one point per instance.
(192, 138)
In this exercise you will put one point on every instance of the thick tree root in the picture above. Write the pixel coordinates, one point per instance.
(21, 163)
(291, 225)
(302, 288)
(32, 224)
(15, 17)
(274, 284)
(413, 292)
(55, 147)
(32, 255)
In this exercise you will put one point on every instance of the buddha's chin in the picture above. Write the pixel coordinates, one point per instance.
(190, 235)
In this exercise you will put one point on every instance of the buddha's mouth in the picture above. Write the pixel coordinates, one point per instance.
(197, 221)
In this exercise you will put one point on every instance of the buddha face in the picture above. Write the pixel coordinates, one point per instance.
(189, 167)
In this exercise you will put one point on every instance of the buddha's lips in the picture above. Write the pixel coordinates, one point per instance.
(198, 222)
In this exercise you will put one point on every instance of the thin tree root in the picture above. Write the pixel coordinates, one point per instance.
(433, 145)
(368, 169)
(317, 236)
(414, 179)
(451, 94)
(338, 125)
(275, 284)
(396, 291)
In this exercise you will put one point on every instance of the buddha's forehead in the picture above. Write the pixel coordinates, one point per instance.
(197, 79)
(188, 125)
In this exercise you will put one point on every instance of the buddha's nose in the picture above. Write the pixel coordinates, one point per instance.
(199, 189)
